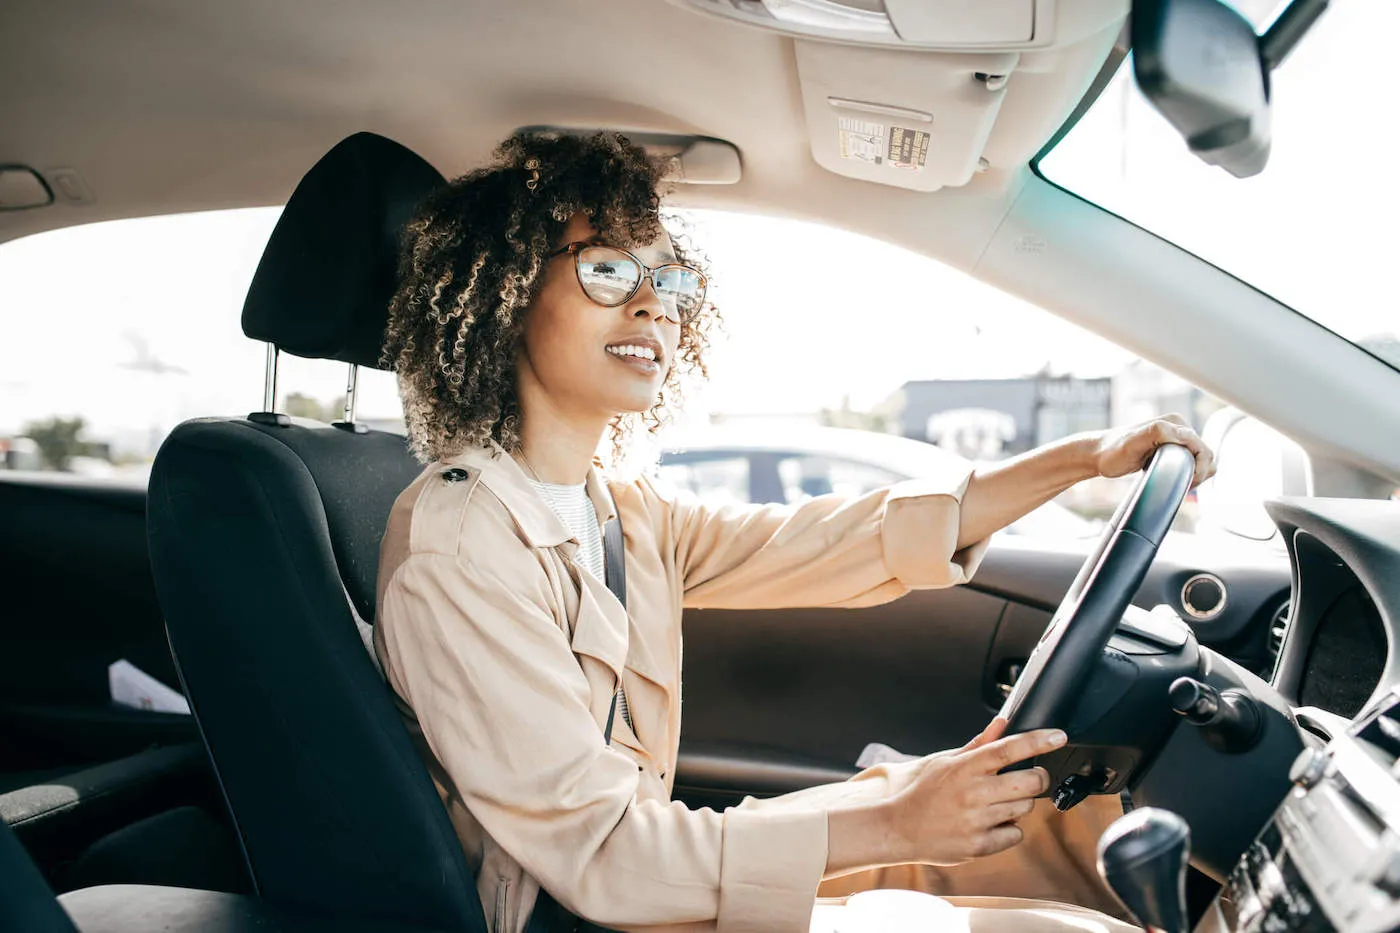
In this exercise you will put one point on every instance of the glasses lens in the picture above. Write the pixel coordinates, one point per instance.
(608, 275)
(681, 289)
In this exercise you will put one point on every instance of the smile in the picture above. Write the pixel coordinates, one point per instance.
(632, 350)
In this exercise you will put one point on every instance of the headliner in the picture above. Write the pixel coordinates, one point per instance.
(172, 106)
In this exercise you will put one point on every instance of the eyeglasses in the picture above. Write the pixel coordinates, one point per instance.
(611, 275)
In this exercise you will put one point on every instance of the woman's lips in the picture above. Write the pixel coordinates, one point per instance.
(637, 364)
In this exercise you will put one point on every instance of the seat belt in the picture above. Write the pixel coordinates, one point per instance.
(548, 915)
(615, 576)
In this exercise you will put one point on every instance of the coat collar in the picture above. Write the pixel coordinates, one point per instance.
(506, 478)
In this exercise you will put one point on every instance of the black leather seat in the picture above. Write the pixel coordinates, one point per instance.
(27, 905)
(259, 528)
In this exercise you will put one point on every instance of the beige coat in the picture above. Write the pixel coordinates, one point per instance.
(504, 654)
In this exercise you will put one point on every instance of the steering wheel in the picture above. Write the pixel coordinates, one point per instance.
(1054, 677)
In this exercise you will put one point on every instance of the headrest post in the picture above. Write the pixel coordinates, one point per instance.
(270, 379)
(269, 415)
(351, 384)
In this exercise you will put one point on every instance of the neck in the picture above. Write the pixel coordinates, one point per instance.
(557, 445)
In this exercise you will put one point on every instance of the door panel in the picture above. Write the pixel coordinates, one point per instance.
(795, 692)
(777, 700)
(77, 595)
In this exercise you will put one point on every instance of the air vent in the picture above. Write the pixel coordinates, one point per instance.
(1278, 628)
(1204, 597)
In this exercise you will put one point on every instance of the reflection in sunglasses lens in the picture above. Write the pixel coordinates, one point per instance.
(609, 276)
(680, 288)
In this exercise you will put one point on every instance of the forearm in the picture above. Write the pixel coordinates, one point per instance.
(1000, 493)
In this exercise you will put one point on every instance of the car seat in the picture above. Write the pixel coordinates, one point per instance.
(264, 535)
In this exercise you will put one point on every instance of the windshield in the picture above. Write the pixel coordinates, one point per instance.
(1316, 228)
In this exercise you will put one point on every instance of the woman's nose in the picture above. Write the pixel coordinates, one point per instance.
(647, 303)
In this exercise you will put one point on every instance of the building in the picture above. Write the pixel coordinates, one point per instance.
(987, 419)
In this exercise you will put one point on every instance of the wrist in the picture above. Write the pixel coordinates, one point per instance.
(1086, 451)
(867, 833)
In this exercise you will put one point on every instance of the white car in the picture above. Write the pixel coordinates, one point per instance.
(742, 464)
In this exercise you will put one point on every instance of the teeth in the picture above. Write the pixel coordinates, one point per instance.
(646, 353)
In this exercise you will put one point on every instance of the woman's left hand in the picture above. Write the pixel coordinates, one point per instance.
(1122, 451)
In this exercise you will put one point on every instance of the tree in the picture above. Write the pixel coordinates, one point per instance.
(57, 440)
(304, 406)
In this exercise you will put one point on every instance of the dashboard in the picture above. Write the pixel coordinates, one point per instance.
(1338, 648)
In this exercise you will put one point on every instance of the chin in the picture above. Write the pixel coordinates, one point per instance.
(632, 403)
(635, 408)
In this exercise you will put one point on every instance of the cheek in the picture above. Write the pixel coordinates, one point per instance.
(557, 338)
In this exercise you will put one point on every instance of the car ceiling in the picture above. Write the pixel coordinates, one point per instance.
(171, 105)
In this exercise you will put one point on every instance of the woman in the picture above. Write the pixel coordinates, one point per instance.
(542, 310)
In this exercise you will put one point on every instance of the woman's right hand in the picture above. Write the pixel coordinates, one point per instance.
(954, 806)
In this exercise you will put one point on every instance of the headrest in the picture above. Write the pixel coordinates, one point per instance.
(324, 282)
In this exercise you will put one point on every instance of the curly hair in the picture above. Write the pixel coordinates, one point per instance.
(472, 263)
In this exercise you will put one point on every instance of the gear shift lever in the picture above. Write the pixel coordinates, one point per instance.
(1142, 857)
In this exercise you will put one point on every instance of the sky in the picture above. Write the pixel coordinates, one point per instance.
(134, 324)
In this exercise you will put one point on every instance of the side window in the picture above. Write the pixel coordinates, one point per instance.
(714, 481)
(864, 364)
(144, 333)
(806, 476)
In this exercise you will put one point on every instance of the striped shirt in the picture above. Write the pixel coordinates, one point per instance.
(573, 507)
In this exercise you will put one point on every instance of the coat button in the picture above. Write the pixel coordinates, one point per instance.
(454, 475)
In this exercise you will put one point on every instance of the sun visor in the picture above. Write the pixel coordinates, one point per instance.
(917, 121)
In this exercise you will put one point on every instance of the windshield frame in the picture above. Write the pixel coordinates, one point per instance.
(1119, 57)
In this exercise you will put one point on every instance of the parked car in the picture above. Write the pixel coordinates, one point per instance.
(790, 464)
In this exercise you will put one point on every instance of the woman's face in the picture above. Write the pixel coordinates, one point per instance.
(571, 344)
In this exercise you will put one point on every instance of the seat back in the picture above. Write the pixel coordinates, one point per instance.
(26, 901)
(259, 528)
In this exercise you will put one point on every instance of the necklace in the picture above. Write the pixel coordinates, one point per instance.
(520, 454)
(546, 489)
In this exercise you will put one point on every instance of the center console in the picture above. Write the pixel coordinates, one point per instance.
(1328, 860)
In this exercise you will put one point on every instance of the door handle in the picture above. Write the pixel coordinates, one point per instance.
(1007, 676)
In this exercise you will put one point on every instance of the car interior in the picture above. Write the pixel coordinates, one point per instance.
(1221, 684)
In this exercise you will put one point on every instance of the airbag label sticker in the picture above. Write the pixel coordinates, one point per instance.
(908, 148)
(876, 144)
(861, 140)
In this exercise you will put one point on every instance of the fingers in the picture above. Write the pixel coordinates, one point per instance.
(1205, 458)
(1008, 812)
(1174, 429)
(994, 756)
(997, 839)
(995, 730)
(1012, 786)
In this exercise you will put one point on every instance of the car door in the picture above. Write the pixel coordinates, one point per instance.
(776, 700)
(78, 597)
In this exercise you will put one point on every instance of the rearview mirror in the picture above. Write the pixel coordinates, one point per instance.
(1203, 66)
